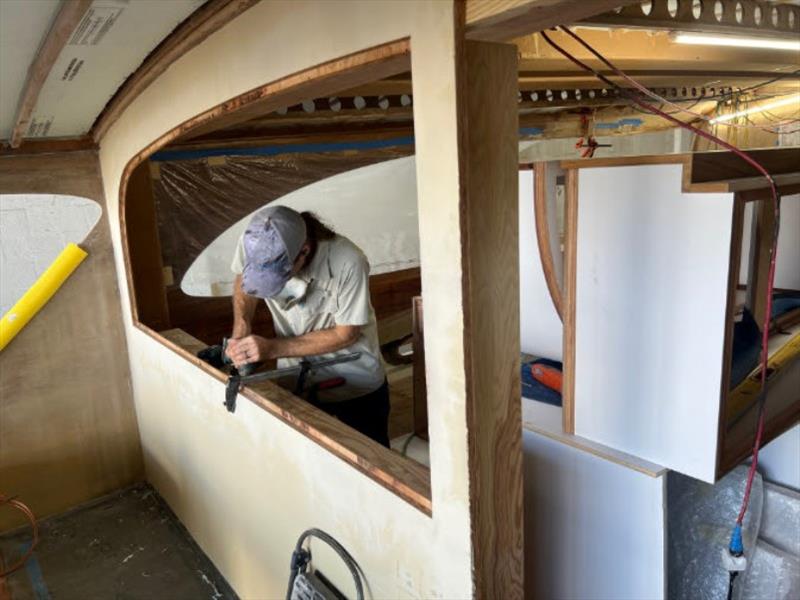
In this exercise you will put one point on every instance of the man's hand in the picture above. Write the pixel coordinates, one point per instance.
(250, 349)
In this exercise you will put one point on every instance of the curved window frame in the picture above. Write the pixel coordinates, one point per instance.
(404, 477)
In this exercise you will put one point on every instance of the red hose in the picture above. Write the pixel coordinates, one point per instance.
(773, 249)
(34, 528)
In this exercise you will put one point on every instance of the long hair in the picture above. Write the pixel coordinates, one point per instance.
(316, 230)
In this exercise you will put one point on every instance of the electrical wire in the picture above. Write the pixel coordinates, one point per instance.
(13, 502)
(773, 248)
(638, 85)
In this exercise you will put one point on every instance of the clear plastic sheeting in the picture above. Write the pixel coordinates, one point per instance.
(374, 206)
(700, 519)
(200, 198)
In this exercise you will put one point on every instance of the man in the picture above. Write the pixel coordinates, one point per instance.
(316, 285)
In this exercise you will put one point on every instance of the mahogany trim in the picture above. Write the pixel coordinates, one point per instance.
(543, 236)
(570, 299)
(326, 78)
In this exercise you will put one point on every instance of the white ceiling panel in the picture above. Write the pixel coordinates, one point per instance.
(111, 41)
(23, 25)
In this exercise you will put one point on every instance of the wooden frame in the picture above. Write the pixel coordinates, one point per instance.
(69, 16)
(543, 237)
(488, 155)
(702, 172)
(404, 477)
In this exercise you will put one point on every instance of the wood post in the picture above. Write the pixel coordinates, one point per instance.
(488, 122)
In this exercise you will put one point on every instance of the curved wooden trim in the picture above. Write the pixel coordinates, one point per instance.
(411, 483)
(543, 236)
(207, 19)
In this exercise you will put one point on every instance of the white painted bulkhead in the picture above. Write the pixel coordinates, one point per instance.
(246, 485)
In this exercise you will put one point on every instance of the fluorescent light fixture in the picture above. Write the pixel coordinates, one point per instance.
(794, 98)
(740, 42)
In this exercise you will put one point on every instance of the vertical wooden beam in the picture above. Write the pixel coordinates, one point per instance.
(737, 232)
(67, 19)
(419, 383)
(488, 154)
(757, 279)
(144, 247)
(570, 288)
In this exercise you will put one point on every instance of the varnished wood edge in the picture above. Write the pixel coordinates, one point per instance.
(570, 299)
(326, 75)
(205, 21)
(735, 256)
(376, 469)
(543, 236)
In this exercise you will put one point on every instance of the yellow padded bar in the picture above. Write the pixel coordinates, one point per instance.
(40, 293)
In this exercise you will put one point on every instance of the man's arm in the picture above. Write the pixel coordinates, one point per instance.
(244, 308)
(254, 348)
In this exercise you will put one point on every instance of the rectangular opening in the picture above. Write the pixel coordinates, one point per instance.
(342, 150)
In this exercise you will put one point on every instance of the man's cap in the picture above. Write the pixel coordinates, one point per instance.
(272, 241)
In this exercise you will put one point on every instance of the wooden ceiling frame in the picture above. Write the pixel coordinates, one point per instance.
(502, 20)
(67, 19)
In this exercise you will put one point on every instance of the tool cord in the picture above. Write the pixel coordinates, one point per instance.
(22, 507)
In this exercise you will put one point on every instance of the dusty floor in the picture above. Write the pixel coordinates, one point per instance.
(127, 546)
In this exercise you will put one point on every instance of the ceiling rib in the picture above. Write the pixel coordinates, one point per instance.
(67, 19)
(738, 17)
(209, 18)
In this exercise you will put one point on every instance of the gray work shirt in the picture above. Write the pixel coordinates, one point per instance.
(337, 293)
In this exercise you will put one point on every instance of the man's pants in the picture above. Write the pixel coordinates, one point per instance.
(368, 414)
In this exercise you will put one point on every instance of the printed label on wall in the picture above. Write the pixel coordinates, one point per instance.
(40, 126)
(95, 25)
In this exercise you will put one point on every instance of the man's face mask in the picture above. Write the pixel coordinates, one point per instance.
(293, 292)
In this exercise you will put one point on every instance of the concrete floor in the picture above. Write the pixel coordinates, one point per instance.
(127, 546)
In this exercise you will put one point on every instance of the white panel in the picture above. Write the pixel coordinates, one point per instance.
(779, 461)
(374, 206)
(593, 529)
(113, 39)
(652, 271)
(23, 25)
(541, 331)
(34, 228)
(787, 267)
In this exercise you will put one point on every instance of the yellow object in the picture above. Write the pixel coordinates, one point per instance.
(747, 391)
(40, 292)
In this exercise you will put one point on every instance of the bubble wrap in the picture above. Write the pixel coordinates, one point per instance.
(700, 519)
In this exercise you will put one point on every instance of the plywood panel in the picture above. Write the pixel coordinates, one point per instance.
(68, 431)
(541, 331)
(652, 274)
(573, 498)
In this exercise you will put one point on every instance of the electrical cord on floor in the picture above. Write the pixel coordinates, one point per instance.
(733, 560)
(22, 507)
